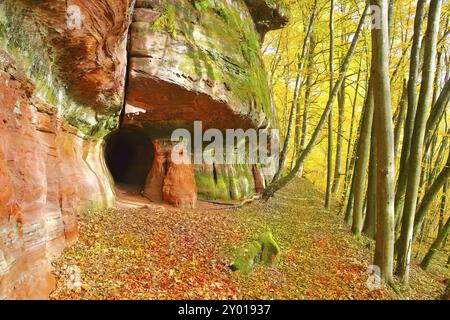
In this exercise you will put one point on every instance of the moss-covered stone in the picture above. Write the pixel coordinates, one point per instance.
(205, 184)
(247, 258)
(270, 248)
(224, 182)
(167, 20)
(264, 251)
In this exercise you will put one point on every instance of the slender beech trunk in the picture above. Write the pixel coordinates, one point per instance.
(361, 167)
(298, 88)
(349, 209)
(370, 222)
(330, 115)
(339, 141)
(416, 150)
(277, 185)
(350, 155)
(401, 117)
(443, 206)
(391, 20)
(436, 245)
(437, 113)
(430, 195)
(384, 128)
(412, 106)
(305, 117)
(442, 212)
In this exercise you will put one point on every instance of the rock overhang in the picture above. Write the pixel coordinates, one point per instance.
(211, 51)
(206, 47)
(75, 52)
(268, 14)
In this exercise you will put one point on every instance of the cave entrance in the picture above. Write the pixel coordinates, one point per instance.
(129, 156)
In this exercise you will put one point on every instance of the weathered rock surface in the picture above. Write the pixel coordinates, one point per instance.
(75, 52)
(197, 63)
(49, 171)
(168, 181)
(62, 89)
(201, 62)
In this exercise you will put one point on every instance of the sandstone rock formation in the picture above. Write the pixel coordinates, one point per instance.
(65, 90)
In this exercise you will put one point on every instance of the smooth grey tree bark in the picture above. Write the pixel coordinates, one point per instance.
(384, 128)
(303, 133)
(401, 117)
(349, 161)
(412, 106)
(370, 220)
(339, 141)
(436, 245)
(430, 195)
(328, 192)
(416, 150)
(437, 113)
(361, 167)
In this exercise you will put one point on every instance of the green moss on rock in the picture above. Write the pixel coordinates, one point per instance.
(30, 45)
(224, 182)
(264, 251)
(247, 258)
(206, 185)
(222, 49)
(270, 248)
(167, 21)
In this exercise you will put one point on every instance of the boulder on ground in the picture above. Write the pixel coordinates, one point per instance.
(264, 251)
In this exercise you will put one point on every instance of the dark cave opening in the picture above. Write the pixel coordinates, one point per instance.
(129, 156)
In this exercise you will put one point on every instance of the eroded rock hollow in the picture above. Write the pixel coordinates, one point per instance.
(90, 91)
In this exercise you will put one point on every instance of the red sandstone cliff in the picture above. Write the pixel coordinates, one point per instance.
(62, 90)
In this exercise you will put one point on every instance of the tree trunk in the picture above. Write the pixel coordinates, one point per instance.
(384, 247)
(435, 246)
(305, 118)
(361, 166)
(430, 195)
(330, 115)
(437, 113)
(370, 221)
(443, 206)
(339, 139)
(349, 162)
(412, 106)
(401, 117)
(416, 150)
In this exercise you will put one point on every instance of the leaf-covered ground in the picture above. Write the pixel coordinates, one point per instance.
(157, 252)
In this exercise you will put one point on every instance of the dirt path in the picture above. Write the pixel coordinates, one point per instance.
(157, 252)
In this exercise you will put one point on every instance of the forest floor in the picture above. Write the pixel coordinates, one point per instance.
(158, 252)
